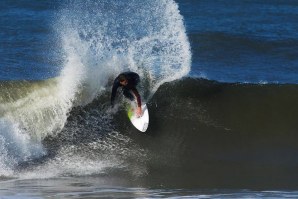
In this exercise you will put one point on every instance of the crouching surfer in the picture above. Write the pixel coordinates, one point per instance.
(128, 81)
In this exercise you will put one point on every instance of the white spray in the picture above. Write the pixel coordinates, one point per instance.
(99, 39)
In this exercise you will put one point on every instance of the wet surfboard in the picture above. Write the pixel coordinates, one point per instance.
(140, 123)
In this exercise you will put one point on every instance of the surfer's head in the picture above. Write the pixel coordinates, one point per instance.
(123, 81)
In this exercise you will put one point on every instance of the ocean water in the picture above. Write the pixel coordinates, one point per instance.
(219, 78)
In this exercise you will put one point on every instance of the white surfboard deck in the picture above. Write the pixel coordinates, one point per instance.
(141, 123)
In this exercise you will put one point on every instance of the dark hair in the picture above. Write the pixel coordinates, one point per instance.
(122, 78)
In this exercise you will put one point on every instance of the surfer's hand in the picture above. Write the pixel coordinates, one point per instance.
(139, 112)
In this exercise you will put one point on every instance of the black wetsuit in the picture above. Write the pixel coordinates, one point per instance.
(133, 79)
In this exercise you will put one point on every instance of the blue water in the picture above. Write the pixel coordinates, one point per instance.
(27, 38)
(234, 41)
(243, 41)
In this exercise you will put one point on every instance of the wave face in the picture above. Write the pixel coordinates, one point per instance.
(208, 134)
(98, 40)
(212, 134)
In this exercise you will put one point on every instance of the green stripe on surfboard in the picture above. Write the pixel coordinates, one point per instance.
(130, 113)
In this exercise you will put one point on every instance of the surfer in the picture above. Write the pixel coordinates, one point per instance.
(128, 81)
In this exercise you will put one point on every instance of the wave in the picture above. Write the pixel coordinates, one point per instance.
(208, 134)
(242, 107)
(201, 133)
(98, 40)
(230, 135)
(29, 111)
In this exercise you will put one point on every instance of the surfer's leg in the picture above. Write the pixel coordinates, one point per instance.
(127, 93)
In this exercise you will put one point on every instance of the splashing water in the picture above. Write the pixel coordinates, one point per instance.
(103, 38)
(99, 39)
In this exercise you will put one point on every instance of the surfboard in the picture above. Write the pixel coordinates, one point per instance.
(141, 123)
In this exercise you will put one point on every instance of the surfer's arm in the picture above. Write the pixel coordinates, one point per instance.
(114, 91)
(139, 109)
(136, 93)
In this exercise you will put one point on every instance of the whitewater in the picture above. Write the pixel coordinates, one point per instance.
(97, 41)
